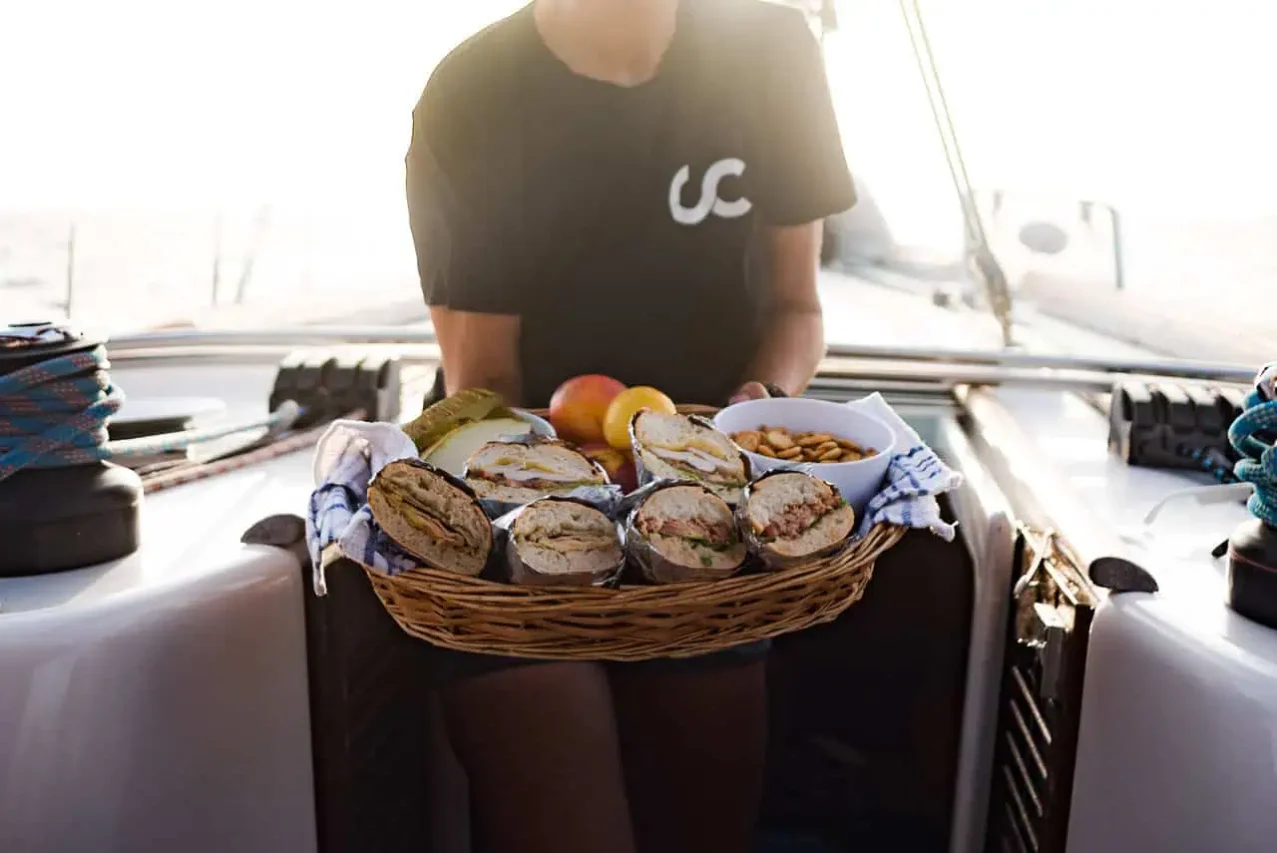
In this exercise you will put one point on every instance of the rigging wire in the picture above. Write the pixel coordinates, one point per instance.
(987, 266)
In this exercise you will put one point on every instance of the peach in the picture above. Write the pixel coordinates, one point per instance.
(579, 404)
(617, 463)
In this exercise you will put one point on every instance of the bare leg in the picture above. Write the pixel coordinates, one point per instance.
(539, 743)
(694, 744)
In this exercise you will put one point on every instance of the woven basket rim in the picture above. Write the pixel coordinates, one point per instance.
(482, 585)
(630, 623)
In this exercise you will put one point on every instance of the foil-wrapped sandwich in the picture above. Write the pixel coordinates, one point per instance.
(562, 541)
(686, 447)
(507, 474)
(787, 516)
(681, 531)
(431, 515)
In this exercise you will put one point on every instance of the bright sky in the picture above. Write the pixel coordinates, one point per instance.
(141, 102)
(174, 102)
(1145, 103)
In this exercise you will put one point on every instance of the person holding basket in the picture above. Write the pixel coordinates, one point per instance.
(634, 188)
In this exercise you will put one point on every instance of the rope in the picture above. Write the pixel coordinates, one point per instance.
(1212, 461)
(53, 413)
(1252, 434)
(276, 421)
(183, 474)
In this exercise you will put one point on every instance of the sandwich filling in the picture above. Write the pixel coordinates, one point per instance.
(717, 534)
(567, 535)
(544, 469)
(426, 511)
(796, 518)
(693, 451)
(560, 537)
(691, 527)
(700, 465)
(520, 478)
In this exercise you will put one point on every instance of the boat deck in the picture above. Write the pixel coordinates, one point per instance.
(70, 642)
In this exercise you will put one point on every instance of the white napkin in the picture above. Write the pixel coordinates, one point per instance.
(914, 478)
(339, 522)
(376, 443)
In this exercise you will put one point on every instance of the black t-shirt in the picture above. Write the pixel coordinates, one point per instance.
(619, 222)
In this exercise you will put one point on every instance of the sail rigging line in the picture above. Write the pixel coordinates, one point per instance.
(987, 266)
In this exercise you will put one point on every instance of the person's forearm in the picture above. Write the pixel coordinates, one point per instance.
(793, 340)
(479, 351)
(793, 345)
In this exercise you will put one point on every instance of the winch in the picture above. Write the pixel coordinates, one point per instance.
(1252, 549)
(62, 506)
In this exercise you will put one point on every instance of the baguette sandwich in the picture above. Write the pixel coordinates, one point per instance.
(682, 447)
(560, 540)
(520, 472)
(432, 516)
(789, 515)
(685, 532)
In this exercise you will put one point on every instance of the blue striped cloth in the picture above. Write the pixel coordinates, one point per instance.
(340, 524)
(914, 479)
(338, 520)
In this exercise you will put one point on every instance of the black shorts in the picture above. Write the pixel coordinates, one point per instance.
(449, 666)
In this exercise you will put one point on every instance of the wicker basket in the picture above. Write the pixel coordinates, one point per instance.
(631, 623)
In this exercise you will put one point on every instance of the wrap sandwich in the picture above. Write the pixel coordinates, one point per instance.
(562, 541)
(788, 516)
(519, 472)
(431, 515)
(682, 531)
(686, 447)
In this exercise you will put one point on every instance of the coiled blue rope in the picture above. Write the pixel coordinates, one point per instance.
(1252, 434)
(1212, 461)
(53, 414)
(50, 417)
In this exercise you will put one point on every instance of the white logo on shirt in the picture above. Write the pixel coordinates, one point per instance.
(709, 202)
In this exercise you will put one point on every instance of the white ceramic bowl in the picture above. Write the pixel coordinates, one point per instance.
(540, 426)
(858, 481)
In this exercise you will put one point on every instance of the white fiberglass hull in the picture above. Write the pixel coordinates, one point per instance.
(160, 702)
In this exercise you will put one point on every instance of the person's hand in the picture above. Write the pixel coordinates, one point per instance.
(749, 391)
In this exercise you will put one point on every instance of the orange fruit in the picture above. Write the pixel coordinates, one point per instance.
(616, 421)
